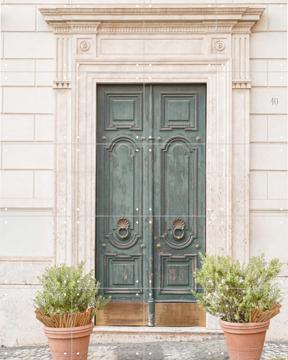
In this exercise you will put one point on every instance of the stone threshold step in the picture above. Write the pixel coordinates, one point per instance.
(155, 330)
(129, 334)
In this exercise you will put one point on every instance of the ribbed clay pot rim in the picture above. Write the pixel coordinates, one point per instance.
(237, 328)
(73, 332)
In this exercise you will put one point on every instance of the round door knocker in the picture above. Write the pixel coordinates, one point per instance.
(178, 229)
(123, 228)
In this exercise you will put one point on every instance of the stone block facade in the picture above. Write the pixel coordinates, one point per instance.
(27, 152)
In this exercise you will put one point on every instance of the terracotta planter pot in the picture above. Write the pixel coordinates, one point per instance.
(245, 341)
(69, 343)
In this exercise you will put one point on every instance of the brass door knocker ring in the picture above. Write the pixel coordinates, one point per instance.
(178, 229)
(123, 228)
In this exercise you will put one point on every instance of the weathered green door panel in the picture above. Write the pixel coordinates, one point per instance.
(179, 188)
(150, 201)
(120, 191)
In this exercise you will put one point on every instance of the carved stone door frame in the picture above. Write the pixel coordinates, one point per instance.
(134, 45)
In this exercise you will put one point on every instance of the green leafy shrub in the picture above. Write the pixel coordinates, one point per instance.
(232, 291)
(66, 289)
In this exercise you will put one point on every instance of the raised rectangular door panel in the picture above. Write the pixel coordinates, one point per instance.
(150, 199)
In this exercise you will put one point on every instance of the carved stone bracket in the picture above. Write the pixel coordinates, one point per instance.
(241, 60)
(241, 84)
(63, 62)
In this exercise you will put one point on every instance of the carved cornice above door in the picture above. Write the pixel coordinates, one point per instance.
(132, 12)
(152, 19)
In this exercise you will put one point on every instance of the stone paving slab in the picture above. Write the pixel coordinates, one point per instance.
(205, 349)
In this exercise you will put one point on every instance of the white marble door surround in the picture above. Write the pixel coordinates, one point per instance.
(133, 44)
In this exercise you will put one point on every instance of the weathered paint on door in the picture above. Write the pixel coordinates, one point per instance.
(150, 200)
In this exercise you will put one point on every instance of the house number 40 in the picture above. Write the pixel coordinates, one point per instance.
(274, 101)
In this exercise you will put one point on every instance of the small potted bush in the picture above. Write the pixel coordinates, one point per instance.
(66, 305)
(244, 296)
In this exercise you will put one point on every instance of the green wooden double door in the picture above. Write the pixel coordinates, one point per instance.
(150, 202)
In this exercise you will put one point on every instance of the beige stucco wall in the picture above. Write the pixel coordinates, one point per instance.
(27, 154)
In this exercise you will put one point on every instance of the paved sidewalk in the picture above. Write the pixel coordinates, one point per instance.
(204, 349)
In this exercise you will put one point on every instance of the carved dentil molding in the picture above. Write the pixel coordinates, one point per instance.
(175, 27)
(162, 28)
(78, 28)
